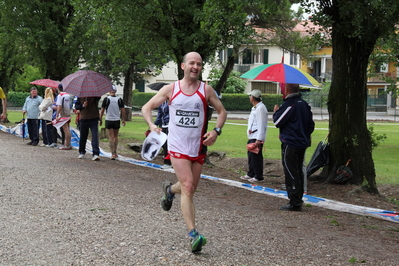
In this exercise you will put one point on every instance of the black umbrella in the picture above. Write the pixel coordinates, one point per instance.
(157, 85)
(343, 173)
(319, 158)
(23, 127)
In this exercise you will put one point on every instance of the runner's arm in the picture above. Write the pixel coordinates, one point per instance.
(211, 135)
(157, 100)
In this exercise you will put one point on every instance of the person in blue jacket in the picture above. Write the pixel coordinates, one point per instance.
(294, 118)
(162, 121)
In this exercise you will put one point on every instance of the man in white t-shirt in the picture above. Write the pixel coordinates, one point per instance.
(256, 132)
(112, 104)
(64, 111)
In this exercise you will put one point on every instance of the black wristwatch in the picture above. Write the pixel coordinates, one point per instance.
(218, 130)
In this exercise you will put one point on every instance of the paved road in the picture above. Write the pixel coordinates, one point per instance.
(58, 210)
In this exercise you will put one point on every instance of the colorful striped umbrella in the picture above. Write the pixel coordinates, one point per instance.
(281, 73)
(86, 83)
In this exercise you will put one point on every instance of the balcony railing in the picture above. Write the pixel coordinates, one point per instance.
(242, 68)
(381, 77)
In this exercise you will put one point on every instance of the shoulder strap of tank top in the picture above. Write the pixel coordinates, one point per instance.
(175, 91)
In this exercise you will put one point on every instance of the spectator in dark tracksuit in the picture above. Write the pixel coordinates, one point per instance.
(162, 121)
(295, 121)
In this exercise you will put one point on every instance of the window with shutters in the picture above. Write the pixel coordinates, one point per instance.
(266, 56)
(247, 56)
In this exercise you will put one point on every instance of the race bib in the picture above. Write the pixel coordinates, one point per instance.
(189, 119)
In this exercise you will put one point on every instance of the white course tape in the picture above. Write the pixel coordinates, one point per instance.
(392, 216)
(320, 202)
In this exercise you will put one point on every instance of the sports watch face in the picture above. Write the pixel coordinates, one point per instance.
(218, 130)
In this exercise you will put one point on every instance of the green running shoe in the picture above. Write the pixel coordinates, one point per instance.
(197, 241)
(167, 198)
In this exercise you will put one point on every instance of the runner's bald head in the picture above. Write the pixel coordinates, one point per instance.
(190, 54)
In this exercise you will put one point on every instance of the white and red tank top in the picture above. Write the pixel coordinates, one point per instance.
(187, 123)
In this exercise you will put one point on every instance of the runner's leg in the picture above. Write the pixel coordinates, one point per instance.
(188, 174)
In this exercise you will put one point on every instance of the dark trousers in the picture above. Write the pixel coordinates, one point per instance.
(292, 159)
(56, 136)
(165, 147)
(47, 132)
(255, 162)
(85, 125)
(33, 130)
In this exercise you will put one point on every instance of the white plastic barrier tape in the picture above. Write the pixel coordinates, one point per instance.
(392, 216)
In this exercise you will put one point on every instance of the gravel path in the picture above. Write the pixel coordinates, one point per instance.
(58, 210)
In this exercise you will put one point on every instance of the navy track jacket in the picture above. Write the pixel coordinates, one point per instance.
(295, 121)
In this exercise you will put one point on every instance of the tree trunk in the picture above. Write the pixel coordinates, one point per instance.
(349, 136)
(227, 70)
(180, 72)
(127, 92)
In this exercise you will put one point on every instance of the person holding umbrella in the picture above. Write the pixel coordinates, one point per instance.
(295, 121)
(88, 86)
(89, 117)
(31, 106)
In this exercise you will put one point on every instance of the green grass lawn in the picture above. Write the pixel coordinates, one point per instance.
(233, 141)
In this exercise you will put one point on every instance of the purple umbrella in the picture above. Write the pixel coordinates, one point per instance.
(86, 83)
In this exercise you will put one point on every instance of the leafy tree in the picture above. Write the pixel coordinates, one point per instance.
(234, 83)
(44, 32)
(28, 74)
(233, 22)
(9, 60)
(177, 24)
(137, 36)
(118, 46)
(355, 28)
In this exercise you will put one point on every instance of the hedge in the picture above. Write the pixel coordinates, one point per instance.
(16, 98)
(231, 101)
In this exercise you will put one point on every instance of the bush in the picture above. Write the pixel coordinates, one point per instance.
(30, 73)
(234, 84)
(16, 98)
(232, 102)
(140, 98)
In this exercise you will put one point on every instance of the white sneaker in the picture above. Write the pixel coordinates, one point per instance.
(245, 177)
(255, 180)
(96, 158)
(166, 166)
(81, 156)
